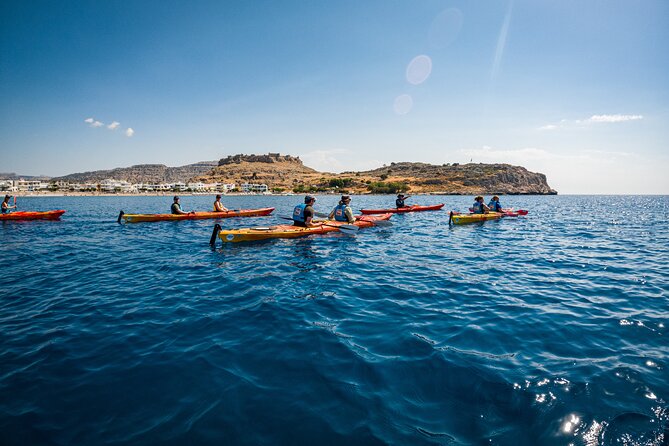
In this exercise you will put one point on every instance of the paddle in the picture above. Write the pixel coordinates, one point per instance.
(347, 229)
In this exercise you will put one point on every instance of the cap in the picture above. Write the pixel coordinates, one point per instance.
(176, 198)
(345, 197)
(478, 197)
(495, 197)
(309, 198)
(400, 195)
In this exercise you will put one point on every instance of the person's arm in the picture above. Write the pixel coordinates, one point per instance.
(331, 216)
(349, 214)
(308, 217)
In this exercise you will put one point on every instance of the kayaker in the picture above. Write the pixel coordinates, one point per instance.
(5, 204)
(176, 207)
(494, 204)
(343, 212)
(303, 214)
(479, 206)
(218, 206)
(399, 203)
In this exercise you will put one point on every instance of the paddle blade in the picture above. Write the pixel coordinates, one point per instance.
(382, 223)
(348, 229)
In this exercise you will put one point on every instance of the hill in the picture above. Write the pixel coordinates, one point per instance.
(286, 173)
(143, 173)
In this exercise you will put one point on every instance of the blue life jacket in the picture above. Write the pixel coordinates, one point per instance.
(495, 206)
(298, 213)
(339, 213)
(477, 207)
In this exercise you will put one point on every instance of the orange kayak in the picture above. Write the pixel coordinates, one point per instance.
(46, 215)
(136, 218)
(290, 231)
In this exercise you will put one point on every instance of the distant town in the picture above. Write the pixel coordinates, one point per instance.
(112, 186)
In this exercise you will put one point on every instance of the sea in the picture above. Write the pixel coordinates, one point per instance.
(547, 329)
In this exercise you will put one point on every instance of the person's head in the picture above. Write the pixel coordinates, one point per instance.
(309, 199)
(400, 196)
(346, 199)
(495, 198)
(7, 197)
(176, 198)
(218, 196)
(478, 198)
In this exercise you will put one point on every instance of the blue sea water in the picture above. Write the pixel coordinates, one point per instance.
(549, 329)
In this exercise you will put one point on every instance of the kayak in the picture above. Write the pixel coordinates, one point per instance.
(461, 219)
(290, 231)
(46, 215)
(434, 207)
(136, 218)
(509, 212)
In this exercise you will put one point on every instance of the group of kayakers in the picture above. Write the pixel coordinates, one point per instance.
(479, 207)
(218, 206)
(303, 214)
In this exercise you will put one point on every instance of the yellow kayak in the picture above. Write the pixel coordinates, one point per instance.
(290, 231)
(462, 219)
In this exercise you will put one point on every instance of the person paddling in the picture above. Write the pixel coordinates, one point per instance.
(479, 206)
(343, 212)
(303, 214)
(494, 204)
(399, 203)
(5, 204)
(176, 208)
(218, 206)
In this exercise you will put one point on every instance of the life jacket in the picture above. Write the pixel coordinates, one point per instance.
(176, 208)
(5, 207)
(400, 203)
(298, 213)
(477, 207)
(495, 206)
(340, 213)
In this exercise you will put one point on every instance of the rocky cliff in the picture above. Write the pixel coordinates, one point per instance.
(289, 174)
(143, 173)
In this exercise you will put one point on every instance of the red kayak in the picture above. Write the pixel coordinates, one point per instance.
(434, 207)
(47, 215)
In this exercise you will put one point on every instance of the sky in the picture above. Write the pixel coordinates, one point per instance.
(578, 91)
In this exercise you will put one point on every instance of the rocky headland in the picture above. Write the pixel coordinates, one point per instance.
(285, 173)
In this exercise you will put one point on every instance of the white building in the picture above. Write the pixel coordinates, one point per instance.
(253, 188)
(30, 185)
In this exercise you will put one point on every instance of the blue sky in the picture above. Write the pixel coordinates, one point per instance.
(576, 90)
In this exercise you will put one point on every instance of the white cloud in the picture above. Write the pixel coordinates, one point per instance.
(613, 118)
(129, 132)
(114, 125)
(93, 123)
(594, 119)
